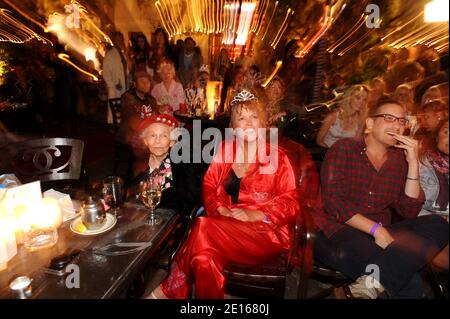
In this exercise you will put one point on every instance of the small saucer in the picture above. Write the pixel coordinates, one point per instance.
(111, 220)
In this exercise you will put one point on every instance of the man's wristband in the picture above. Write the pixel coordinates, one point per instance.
(374, 229)
(412, 179)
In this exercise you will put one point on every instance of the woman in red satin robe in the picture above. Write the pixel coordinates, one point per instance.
(250, 206)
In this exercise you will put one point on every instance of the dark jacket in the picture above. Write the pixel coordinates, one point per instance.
(185, 192)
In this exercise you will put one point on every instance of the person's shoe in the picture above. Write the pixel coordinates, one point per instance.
(157, 293)
(366, 287)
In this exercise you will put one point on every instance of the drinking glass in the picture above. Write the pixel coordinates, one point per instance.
(151, 196)
(113, 193)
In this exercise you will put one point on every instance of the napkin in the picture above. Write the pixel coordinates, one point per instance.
(69, 208)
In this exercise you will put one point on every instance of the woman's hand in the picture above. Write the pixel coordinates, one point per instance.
(224, 211)
(382, 237)
(247, 215)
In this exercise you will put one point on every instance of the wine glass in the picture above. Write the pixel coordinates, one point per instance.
(151, 196)
(113, 193)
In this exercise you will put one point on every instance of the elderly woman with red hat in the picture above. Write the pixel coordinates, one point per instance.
(180, 182)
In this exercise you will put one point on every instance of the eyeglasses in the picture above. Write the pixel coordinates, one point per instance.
(392, 119)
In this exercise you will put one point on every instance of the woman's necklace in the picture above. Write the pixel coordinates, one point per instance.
(241, 168)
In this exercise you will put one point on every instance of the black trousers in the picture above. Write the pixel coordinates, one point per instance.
(416, 242)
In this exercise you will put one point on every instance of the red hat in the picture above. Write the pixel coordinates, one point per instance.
(159, 118)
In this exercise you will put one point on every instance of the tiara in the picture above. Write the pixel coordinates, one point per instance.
(204, 68)
(255, 79)
(243, 96)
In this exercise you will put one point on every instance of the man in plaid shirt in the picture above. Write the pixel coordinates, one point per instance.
(363, 181)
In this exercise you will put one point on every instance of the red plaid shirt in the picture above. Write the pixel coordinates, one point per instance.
(351, 185)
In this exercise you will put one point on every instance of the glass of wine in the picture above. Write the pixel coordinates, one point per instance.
(151, 196)
(113, 193)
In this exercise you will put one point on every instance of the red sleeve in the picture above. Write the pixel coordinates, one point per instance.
(284, 207)
(211, 183)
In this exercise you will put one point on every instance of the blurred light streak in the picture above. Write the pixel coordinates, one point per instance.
(12, 5)
(12, 30)
(413, 35)
(348, 34)
(194, 6)
(76, 39)
(258, 27)
(442, 48)
(173, 27)
(159, 9)
(210, 20)
(177, 18)
(208, 17)
(84, 14)
(282, 28)
(344, 51)
(220, 16)
(171, 23)
(203, 17)
(66, 59)
(435, 42)
(401, 27)
(258, 15)
(188, 12)
(330, 16)
(245, 19)
(183, 28)
(270, 21)
(428, 36)
(274, 72)
(213, 14)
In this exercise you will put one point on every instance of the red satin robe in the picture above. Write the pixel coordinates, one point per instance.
(216, 240)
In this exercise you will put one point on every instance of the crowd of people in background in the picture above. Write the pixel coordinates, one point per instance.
(403, 104)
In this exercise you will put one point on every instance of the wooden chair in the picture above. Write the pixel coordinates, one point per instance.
(49, 160)
(122, 152)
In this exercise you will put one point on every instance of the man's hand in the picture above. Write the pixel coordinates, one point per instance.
(382, 237)
(411, 147)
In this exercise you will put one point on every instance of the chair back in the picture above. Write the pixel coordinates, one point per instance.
(115, 108)
(46, 159)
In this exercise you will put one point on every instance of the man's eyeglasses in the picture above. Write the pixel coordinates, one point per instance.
(391, 119)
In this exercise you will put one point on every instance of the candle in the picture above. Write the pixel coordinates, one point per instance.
(40, 225)
(15, 216)
(8, 246)
(213, 92)
(52, 212)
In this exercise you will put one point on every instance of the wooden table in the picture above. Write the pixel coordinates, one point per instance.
(100, 276)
